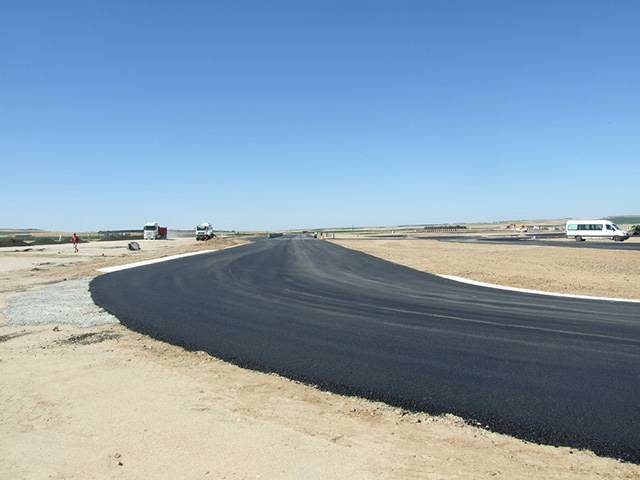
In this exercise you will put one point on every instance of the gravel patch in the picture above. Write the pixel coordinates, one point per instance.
(65, 302)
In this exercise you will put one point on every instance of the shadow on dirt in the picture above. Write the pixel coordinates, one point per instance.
(89, 338)
(4, 338)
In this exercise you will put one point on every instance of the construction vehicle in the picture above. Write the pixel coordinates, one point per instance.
(153, 231)
(204, 231)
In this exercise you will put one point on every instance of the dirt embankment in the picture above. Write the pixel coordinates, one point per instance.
(583, 271)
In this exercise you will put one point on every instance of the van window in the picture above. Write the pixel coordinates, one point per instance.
(572, 226)
(609, 227)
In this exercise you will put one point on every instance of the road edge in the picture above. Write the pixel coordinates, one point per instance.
(142, 263)
(496, 286)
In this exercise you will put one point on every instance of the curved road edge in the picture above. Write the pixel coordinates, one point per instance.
(535, 292)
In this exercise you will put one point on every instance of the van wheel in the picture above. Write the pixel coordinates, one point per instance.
(579, 238)
(617, 239)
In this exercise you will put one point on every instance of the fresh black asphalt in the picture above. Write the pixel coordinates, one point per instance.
(547, 369)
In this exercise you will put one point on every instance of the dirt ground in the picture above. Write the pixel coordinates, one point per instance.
(105, 402)
(24, 267)
(583, 271)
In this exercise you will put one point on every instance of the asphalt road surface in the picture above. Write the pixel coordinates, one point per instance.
(529, 240)
(547, 369)
(540, 239)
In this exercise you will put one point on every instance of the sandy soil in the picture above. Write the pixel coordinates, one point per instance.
(105, 402)
(583, 271)
(116, 404)
(25, 267)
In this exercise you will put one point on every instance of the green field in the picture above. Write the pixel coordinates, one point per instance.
(625, 219)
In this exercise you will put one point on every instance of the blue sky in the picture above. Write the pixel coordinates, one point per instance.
(316, 113)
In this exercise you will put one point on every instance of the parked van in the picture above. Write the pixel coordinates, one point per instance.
(580, 230)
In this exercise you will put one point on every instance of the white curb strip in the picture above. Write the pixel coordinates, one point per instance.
(536, 292)
(153, 260)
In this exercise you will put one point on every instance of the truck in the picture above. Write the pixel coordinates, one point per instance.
(580, 230)
(204, 231)
(153, 231)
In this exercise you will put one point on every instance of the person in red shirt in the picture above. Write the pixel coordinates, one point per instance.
(75, 241)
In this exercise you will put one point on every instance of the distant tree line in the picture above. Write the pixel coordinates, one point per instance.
(444, 228)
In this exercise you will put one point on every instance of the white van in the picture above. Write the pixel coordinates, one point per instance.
(580, 230)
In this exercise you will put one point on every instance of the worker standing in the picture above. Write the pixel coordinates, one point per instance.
(75, 241)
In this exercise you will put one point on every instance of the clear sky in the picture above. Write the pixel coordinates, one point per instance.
(278, 114)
